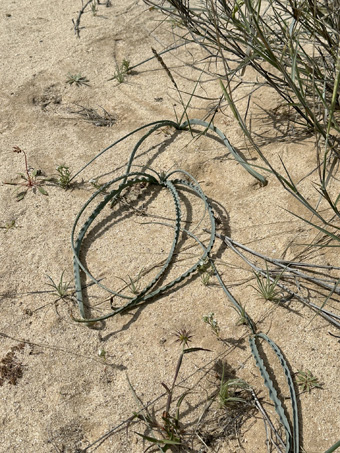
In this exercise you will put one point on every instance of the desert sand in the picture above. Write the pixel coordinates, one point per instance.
(67, 387)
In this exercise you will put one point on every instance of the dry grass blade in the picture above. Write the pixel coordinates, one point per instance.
(100, 119)
(164, 66)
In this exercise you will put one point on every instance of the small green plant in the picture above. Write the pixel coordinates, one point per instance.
(204, 266)
(125, 65)
(94, 182)
(94, 8)
(212, 322)
(267, 286)
(61, 289)
(64, 176)
(102, 353)
(183, 337)
(243, 319)
(229, 389)
(31, 178)
(168, 430)
(205, 278)
(77, 79)
(133, 284)
(307, 381)
(9, 226)
(121, 71)
(206, 272)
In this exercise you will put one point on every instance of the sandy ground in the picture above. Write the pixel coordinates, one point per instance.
(67, 397)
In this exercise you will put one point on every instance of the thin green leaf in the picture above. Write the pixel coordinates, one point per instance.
(188, 350)
(159, 441)
(21, 195)
(334, 447)
(42, 190)
(323, 230)
(181, 398)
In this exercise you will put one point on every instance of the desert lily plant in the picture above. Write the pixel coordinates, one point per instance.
(278, 41)
(174, 181)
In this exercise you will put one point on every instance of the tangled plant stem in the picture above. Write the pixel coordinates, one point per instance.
(18, 150)
(152, 178)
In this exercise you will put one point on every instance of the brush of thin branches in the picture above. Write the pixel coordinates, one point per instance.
(99, 118)
(293, 46)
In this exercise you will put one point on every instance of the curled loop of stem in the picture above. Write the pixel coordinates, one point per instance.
(130, 178)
